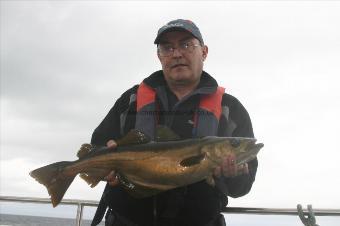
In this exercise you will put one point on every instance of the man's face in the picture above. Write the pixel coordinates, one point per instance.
(182, 67)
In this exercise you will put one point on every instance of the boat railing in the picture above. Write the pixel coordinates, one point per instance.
(230, 210)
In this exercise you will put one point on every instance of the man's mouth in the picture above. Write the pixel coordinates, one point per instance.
(178, 65)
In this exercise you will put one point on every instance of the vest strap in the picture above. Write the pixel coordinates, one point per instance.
(145, 95)
(212, 102)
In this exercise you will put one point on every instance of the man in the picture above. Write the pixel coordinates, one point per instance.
(188, 100)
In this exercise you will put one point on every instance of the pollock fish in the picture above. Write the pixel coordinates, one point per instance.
(145, 167)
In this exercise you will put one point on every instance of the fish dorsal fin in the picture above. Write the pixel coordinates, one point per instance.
(84, 150)
(163, 133)
(133, 137)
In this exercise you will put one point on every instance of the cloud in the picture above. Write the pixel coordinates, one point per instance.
(63, 65)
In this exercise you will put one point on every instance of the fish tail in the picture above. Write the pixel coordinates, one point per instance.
(54, 180)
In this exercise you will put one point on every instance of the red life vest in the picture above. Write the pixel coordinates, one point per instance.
(206, 117)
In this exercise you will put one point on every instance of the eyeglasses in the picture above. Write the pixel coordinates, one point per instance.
(166, 50)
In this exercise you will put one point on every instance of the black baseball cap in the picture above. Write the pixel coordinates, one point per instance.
(179, 25)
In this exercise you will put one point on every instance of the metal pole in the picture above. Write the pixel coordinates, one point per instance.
(47, 200)
(278, 211)
(230, 210)
(79, 203)
(79, 214)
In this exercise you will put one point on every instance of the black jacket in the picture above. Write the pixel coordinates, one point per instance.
(196, 204)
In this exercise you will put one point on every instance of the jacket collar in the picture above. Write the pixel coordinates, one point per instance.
(206, 85)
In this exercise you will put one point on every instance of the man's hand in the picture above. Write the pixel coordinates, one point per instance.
(230, 169)
(112, 177)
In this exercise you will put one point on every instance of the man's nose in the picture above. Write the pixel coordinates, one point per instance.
(177, 53)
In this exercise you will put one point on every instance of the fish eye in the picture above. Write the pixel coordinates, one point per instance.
(235, 143)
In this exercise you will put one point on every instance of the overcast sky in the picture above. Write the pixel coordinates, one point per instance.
(63, 65)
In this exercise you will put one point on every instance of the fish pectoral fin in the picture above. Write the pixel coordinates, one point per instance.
(133, 137)
(94, 176)
(164, 133)
(84, 150)
(192, 160)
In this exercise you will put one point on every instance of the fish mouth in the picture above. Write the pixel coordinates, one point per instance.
(251, 151)
(254, 147)
(251, 146)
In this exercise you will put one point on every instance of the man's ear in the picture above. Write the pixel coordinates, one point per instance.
(204, 52)
(159, 58)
